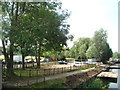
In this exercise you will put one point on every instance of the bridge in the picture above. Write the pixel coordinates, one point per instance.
(108, 75)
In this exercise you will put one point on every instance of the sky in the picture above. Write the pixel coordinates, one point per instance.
(87, 16)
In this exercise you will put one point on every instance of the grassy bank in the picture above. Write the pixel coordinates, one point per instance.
(56, 83)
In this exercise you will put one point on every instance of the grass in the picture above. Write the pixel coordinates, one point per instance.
(55, 83)
(96, 83)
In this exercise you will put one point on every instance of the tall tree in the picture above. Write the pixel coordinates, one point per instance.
(100, 42)
(9, 19)
(80, 47)
(37, 26)
(92, 52)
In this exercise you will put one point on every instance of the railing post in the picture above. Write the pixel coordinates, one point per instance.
(49, 71)
(62, 69)
(44, 77)
(37, 76)
(54, 71)
(20, 73)
(29, 73)
(28, 79)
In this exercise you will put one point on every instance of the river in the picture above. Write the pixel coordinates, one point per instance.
(115, 84)
(105, 83)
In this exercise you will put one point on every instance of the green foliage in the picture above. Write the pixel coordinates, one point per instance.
(35, 27)
(116, 55)
(92, 52)
(104, 52)
(97, 83)
(96, 47)
(80, 47)
(56, 83)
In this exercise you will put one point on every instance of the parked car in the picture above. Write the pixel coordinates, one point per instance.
(62, 62)
(78, 64)
(30, 61)
(45, 60)
(54, 59)
(3, 62)
(17, 61)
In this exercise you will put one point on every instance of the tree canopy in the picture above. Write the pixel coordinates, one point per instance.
(96, 47)
(33, 27)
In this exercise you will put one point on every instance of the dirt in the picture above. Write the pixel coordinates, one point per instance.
(75, 80)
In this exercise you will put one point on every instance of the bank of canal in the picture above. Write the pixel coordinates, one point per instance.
(104, 83)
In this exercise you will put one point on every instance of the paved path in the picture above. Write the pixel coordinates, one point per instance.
(32, 81)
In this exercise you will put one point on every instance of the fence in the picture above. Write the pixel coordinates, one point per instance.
(29, 76)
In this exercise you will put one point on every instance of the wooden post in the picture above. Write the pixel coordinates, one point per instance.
(17, 66)
(70, 68)
(37, 76)
(54, 71)
(20, 74)
(44, 77)
(49, 71)
(62, 69)
(28, 79)
(57, 70)
(29, 73)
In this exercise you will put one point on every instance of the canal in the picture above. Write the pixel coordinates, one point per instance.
(105, 83)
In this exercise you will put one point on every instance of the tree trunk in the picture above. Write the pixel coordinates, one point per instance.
(9, 62)
(4, 52)
(38, 60)
(23, 57)
(23, 62)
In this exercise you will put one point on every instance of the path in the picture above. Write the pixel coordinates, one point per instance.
(32, 81)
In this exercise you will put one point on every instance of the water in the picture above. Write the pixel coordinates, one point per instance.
(116, 84)
(105, 82)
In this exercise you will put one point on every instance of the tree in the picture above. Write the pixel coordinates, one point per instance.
(80, 47)
(92, 52)
(36, 27)
(116, 55)
(107, 53)
(9, 20)
(100, 42)
(48, 29)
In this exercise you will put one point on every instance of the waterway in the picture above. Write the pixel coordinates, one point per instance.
(105, 83)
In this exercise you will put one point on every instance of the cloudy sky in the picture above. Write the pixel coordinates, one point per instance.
(87, 16)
